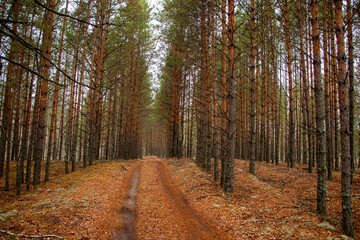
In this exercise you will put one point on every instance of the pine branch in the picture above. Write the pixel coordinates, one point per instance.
(64, 15)
(75, 18)
(32, 71)
(17, 38)
(30, 236)
(12, 21)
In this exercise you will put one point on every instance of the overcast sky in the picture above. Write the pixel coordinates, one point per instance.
(155, 64)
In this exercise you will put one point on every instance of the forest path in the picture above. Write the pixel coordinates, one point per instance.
(162, 209)
(174, 199)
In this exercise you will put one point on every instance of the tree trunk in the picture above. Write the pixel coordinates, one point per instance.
(350, 42)
(306, 110)
(7, 112)
(214, 96)
(319, 103)
(25, 131)
(45, 70)
(329, 148)
(223, 89)
(347, 215)
(231, 99)
(61, 137)
(291, 147)
(252, 89)
(51, 142)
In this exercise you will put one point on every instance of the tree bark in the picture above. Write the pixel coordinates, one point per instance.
(230, 151)
(291, 148)
(45, 70)
(306, 105)
(223, 89)
(320, 116)
(51, 142)
(347, 215)
(7, 112)
(329, 148)
(350, 42)
(252, 89)
(214, 96)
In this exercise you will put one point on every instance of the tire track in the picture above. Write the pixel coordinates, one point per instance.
(155, 208)
(129, 208)
(198, 226)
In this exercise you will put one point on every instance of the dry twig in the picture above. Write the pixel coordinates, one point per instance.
(30, 236)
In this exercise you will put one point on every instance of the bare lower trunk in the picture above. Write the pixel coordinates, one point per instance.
(347, 215)
(252, 89)
(320, 116)
(291, 148)
(230, 150)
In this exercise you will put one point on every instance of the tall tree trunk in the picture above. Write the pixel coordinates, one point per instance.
(307, 83)
(320, 116)
(229, 160)
(208, 93)
(252, 89)
(350, 42)
(25, 131)
(262, 87)
(202, 92)
(16, 138)
(306, 110)
(192, 118)
(223, 89)
(347, 215)
(45, 70)
(61, 137)
(34, 126)
(7, 112)
(70, 149)
(51, 142)
(24, 137)
(214, 96)
(291, 147)
(335, 96)
(329, 148)
(89, 129)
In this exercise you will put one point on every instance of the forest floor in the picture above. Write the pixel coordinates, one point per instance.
(173, 199)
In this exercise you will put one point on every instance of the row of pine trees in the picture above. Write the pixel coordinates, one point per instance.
(74, 84)
(265, 80)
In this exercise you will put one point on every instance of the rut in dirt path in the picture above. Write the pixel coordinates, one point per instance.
(200, 227)
(164, 209)
(129, 208)
(155, 207)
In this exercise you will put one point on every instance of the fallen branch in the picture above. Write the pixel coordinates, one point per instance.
(30, 236)
(201, 197)
(123, 167)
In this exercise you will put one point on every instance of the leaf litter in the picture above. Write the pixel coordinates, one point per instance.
(81, 205)
(177, 200)
(277, 203)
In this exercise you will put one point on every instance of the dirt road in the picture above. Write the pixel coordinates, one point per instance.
(155, 208)
(174, 199)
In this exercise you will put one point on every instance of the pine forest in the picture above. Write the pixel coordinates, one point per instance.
(180, 119)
